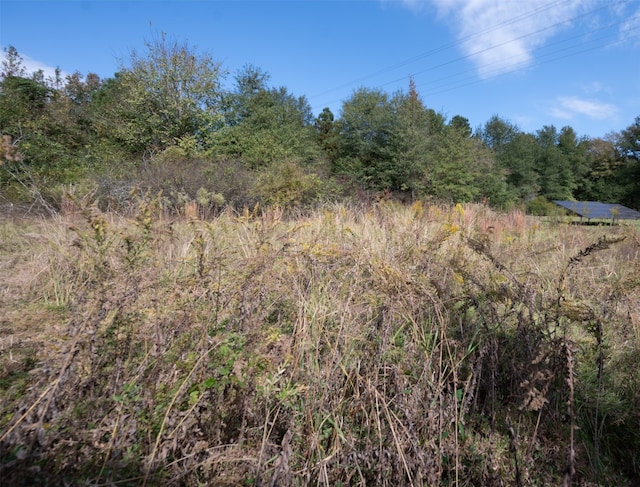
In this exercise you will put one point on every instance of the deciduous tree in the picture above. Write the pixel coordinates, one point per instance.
(165, 95)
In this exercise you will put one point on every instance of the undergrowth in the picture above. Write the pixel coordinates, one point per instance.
(381, 345)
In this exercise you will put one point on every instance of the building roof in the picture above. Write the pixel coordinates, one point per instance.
(595, 209)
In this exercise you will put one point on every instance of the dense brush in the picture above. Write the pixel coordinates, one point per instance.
(379, 345)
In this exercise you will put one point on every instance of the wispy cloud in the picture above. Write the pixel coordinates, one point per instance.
(594, 87)
(629, 29)
(33, 65)
(567, 107)
(499, 36)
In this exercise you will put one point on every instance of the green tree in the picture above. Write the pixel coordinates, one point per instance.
(22, 102)
(49, 131)
(574, 152)
(557, 180)
(461, 124)
(628, 147)
(12, 64)
(327, 132)
(411, 141)
(239, 104)
(602, 168)
(399, 145)
(461, 169)
(498, 133)
(265, 125)
(629, 141)
(516, 154)
(519, 159)
(366, 130)
(165, 96)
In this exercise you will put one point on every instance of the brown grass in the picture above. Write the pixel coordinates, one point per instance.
(380, 345)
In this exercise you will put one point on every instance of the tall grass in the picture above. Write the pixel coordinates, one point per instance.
(380, 345)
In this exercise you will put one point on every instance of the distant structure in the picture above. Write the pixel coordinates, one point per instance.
(596, 210)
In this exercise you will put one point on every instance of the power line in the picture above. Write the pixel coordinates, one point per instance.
(582, 51)
(499, 69)
(502, 64)
(442, 48)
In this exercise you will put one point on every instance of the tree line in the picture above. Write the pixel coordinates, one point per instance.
(166, 123)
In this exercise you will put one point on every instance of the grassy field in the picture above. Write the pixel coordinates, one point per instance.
(383, 345)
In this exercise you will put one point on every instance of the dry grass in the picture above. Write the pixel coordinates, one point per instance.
(381, 345)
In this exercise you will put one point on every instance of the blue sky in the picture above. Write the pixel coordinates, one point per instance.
(534, 63)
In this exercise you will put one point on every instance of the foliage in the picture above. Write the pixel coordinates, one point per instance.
(365, 129)
(107, 136)
(264, 125)
(557, 179)
(411, 142)
(179, 175)
(12, 64)
(628, 146)
(198, 314)
(516, 153)
(498, 133)
(44, 132)
(286, 185)
(541, 206)
(387, 345)
(164, 95)
(461, 125)
(603, 166)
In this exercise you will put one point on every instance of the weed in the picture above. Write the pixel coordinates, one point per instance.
(380, 345)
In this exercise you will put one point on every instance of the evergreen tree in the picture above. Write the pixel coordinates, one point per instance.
(462, 170)
(519, 159)
(461, 124)
(12, 64)
(498, 133)
(411, 142)
(628, 146)
(265, 125)
(327, 132)
(366, 130)
(554, 169)
(516, 153)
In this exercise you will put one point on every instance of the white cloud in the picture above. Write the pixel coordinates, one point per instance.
(558, 112)
(568, 107)
(594, 87)
(500, 35)
(32, 65)
(629, 29)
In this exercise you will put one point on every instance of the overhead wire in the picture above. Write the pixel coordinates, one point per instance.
(501, 64)
(501, 44)
(536, 64)
(499, 69)
(444, 47)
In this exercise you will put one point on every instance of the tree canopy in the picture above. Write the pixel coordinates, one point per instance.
(168, 120)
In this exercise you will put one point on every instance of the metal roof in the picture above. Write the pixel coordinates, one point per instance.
(595, 209)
